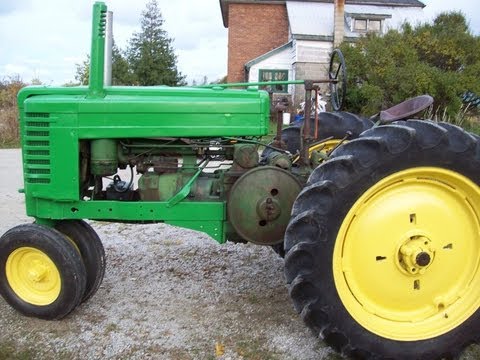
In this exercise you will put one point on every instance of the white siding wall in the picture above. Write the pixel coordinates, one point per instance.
(312, 51)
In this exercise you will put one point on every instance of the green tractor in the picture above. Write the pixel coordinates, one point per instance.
(379, 224)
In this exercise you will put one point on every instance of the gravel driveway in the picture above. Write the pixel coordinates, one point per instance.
(168, 293)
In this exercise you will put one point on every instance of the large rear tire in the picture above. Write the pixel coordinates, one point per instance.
(383, 249)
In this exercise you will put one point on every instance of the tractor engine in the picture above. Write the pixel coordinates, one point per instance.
(259, 194)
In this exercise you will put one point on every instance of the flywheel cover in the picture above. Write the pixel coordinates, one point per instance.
(260, 204)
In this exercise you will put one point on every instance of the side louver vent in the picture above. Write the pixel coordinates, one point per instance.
(37, 148)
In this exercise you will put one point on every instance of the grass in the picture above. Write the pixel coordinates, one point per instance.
(254, 349)
(467, 118)
(8, 351)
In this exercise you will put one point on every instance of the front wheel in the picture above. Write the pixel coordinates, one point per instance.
(41, 272)
(91, 250)
(383, 249)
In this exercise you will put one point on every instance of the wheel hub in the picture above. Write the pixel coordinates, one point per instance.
(37, 272)
(33, 276)
(268, 209)
(416, 255)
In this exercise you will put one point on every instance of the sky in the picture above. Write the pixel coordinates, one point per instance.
(45, 39)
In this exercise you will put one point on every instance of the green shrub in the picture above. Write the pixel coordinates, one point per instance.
(441, 59)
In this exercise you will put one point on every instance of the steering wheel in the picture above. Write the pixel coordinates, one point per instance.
(337, 76)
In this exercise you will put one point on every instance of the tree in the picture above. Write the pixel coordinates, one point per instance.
(121, 72)
(150, 53)
(82, 72)
(441, 59)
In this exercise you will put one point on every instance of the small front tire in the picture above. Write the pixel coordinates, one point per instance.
(41, 273)
(91, 249)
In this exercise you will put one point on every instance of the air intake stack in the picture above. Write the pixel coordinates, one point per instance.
(97, 54)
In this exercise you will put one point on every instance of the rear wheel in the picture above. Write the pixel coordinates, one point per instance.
(91, 249)
(383, 248)
(41, 272)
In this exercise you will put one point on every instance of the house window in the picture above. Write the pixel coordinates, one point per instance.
(360, 25)
(374, 25)
(274, 75)
(367, 25)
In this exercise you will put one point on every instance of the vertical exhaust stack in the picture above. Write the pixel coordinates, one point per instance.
(97, 54)
(107, 80)
(339, 22)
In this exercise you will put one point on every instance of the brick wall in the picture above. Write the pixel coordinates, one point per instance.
(253, 30)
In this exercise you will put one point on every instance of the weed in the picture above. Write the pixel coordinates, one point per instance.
(468, 117)
(111, 328)
(9, 129)
(254, 349)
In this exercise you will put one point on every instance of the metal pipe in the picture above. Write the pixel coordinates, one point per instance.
(259, 83)
(316, 113)
(304, 156)
(107, 75)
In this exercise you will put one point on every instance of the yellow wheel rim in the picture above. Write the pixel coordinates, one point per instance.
(33, 276)
(325, 146)
(406, 258)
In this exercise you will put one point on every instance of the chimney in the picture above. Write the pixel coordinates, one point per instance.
(338, 22)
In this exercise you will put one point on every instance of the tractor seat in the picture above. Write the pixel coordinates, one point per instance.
(406, 108)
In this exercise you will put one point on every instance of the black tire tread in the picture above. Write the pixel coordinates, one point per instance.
(91, 249)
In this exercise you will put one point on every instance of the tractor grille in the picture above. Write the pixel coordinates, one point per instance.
(37, 148)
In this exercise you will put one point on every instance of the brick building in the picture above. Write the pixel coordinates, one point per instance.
(292, 39)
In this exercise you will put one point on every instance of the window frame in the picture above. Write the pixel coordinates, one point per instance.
(284, 89)
(367, 30)
(379, 19)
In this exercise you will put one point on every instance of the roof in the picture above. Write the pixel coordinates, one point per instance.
(310, 21)
(269, 54)
(396, 3)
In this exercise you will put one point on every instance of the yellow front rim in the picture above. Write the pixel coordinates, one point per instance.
(33, 276)
(406, 258)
